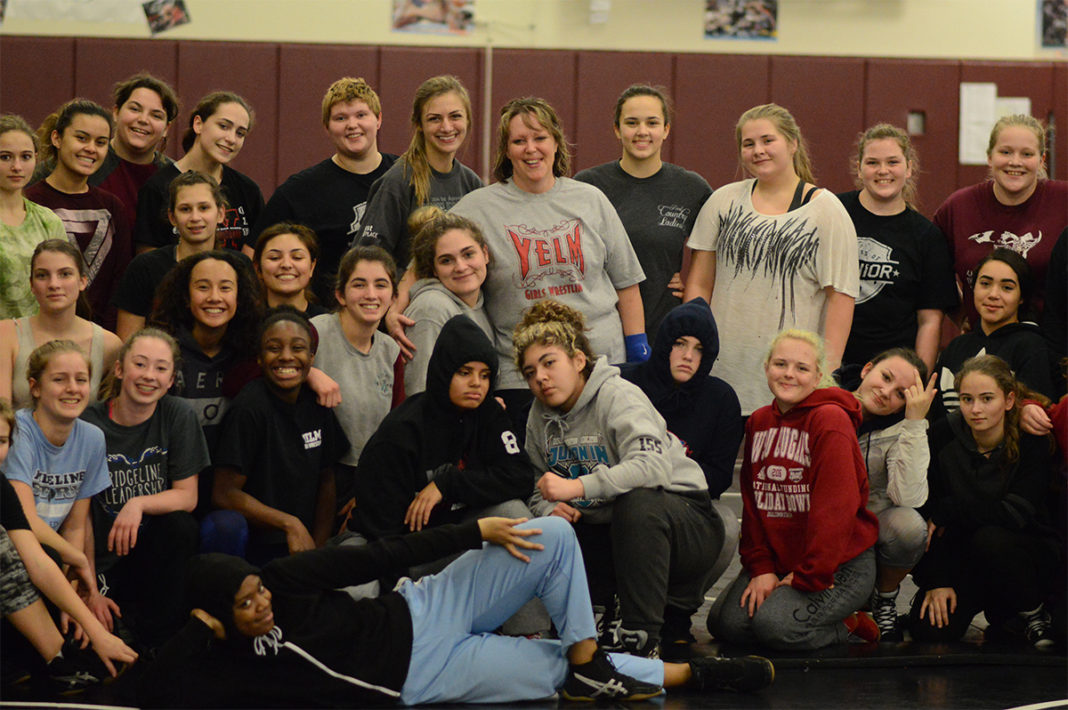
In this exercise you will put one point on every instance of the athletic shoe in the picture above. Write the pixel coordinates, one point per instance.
(68, 677)
(884, 611)
(861, 628)
(1039, 630)
(599, 680)
(743, 674)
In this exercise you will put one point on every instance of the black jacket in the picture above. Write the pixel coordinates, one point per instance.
(472, 456)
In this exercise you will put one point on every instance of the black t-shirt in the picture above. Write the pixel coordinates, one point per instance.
(327, 199)
(136, 293)
(281, 449)
(242, 194)
(12, 516)
(904, 267)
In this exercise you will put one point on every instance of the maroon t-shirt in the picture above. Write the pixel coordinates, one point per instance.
(125, 181)
(975, 222)
(96, 222)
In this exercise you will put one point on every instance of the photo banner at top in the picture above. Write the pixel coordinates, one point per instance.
(437, 17)
(742, 19)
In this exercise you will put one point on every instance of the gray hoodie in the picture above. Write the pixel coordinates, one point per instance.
(431, 305)
(614, 439)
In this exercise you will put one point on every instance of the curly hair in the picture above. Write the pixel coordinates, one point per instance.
(350, 89)
(550, 322)
(425, 243)
(172, 311)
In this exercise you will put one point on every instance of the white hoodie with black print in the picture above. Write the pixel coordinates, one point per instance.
(614, 439)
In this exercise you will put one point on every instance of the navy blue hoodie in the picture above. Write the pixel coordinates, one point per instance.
(704, 412)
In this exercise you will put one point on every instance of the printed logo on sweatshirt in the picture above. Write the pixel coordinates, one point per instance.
(49, 487)
(673, 216)
(575, 457)
(555, 252)
(780, 490)
(1021, 244)
(877, 269)
(95, 229)
(312, 439)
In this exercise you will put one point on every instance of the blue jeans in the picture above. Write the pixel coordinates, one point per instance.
(455, 655)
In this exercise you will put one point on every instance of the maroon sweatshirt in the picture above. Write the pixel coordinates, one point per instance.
(805, 490)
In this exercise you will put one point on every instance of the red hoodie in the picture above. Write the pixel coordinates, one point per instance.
(805, 490)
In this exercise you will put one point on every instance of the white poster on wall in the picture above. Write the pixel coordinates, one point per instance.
(977, 114)
(127, 11)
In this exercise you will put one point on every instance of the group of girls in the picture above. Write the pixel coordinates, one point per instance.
(827, 526)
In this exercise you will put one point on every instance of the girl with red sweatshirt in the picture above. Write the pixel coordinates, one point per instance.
(807, 537)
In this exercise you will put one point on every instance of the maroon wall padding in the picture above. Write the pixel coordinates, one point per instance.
(1060, 109)
(36, 75)
(251, 71)
(1032, 79)
(305, 72)
(403, 69)
(99, 63)
(602, 77)
(549, 74)
(826, 96)
(711, 92)
(897, 86)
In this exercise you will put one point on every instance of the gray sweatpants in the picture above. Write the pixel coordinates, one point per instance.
(793, 620)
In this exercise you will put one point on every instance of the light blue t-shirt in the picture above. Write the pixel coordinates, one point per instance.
(58, 475)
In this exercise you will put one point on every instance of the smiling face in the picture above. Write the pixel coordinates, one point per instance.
(146, 371)
(460, 263)
(62, 393)
(222, 135)
(883, 384)
(883, 170)
(532, 151)
(353, 127)
(368, 293)
(55, 281)
(253, 614)
(469, 385)
(285, 357)
(196, 214)
(141, 122)
(1014, 163)
(685, 358)
(766, 153)
(444, 125)
(983, 405)
(554, 378)
(793, 372)
(84, 144)
(997, 295)
(642, 127)
(285, 266)
(17, 160)
(213, 293)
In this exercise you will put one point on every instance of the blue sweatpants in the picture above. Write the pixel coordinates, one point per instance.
(455, 655)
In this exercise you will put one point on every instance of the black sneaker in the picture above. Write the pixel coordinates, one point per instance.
(1039, 630)
(884, 611)
(68, 677)
(746, 673)
(599, 680)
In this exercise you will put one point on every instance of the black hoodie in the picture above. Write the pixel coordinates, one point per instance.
(472, 456)
(969, 491)
(704, 411)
